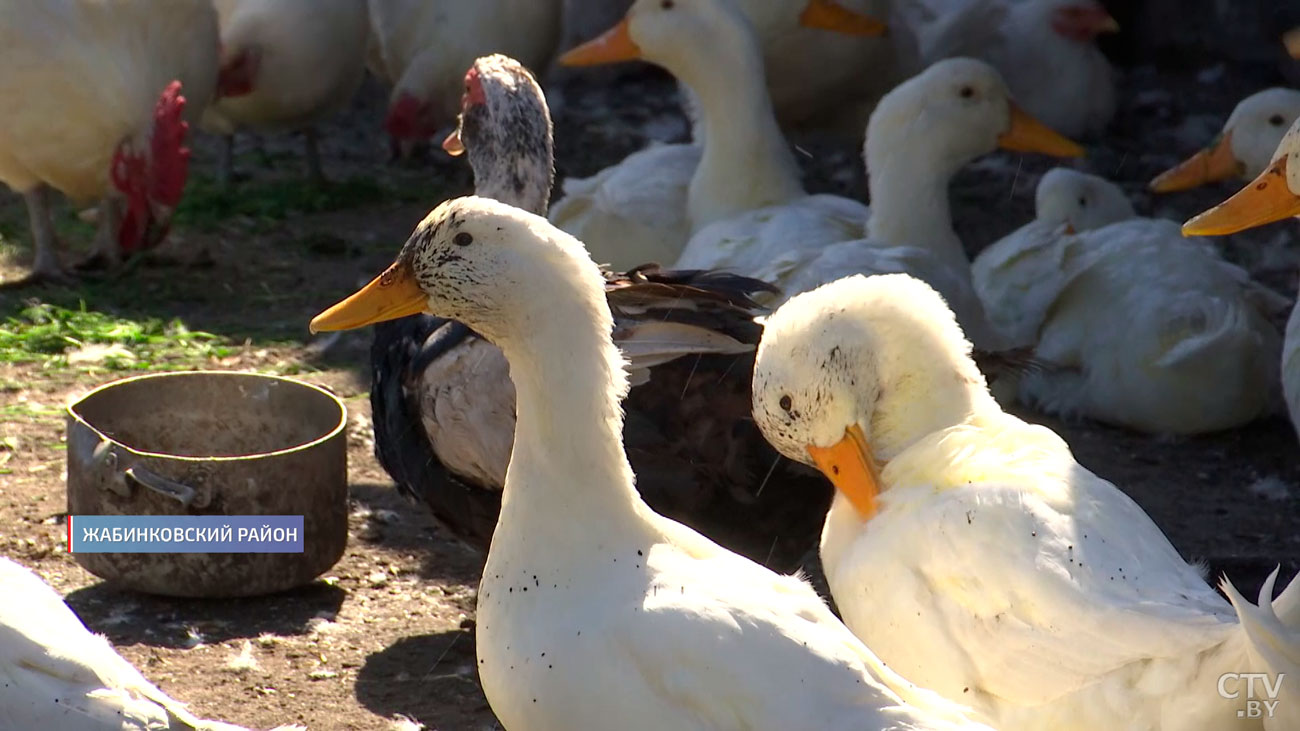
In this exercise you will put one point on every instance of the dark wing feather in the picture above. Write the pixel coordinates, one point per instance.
(401, 351)
(689, 434)
(1018, 361)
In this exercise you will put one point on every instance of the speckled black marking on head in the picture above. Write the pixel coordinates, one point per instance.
(508, 138)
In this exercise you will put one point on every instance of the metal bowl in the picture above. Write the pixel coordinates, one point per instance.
(211, 443)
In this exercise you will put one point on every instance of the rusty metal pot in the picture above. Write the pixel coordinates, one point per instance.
(211, 443)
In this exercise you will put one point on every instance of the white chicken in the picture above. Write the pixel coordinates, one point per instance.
(95, 111)
(286, 64)
(422, 48)
(1047, 53)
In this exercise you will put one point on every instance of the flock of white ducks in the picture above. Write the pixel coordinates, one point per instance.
(634, 621)
(966, 547)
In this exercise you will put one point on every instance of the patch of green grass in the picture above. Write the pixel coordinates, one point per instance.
(61, 337)
(28, 409)
(207, 203)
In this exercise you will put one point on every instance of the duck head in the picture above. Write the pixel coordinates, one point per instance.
(678, 33)
(953, 112)
(852, 373)
(490, 265)
(1245, 146)
(1080, 201)
(1272, 196)
(505, 127)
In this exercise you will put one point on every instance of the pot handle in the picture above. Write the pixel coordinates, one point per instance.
(182, 493)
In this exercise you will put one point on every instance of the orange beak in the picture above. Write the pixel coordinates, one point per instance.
(1210, 165)
(1292, 42)
(1027, 134)
(830, 15)
(1265, 200)
(612, 46)
(851, 469)
(391, 295)
(453, 145)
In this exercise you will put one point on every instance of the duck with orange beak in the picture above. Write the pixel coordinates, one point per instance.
(594, 611)
(971, 551)
(1271, 197)
(920, 135)
(646, 207)
(1243, 149)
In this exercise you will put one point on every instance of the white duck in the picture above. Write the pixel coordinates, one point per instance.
(919, 136)
(646, 207)
(444, 407)
(811, 74)
(55, 674)
(594, 611)
(1273, 196)
(975, 555)
(1155, 333)
(286, 65)
(1245, 146)
(1019, 276)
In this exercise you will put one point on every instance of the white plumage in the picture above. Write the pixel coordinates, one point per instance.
(1045, 50)
(55, 674)
(82, 79)
(1156, 333)
(296, 61)
(1019, 276)
(918, 137)
(422, 48)
(594, 611)
(995, 568)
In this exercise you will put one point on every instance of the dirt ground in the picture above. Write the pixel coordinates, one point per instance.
(389, 629)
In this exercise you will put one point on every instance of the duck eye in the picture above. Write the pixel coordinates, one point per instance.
(1277, 120)
(1083, 201)
(786, 402)
(667, 4)
(967, 92)
(463, 239)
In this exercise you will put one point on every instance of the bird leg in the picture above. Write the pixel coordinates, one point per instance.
(105, 253)
(226, 170)
(45, 240)
(46, 267)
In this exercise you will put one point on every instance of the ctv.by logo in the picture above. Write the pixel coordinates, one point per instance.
(1258, 704)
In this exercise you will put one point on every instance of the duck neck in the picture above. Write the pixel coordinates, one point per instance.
(955, 394)
(909, 200)
(513, 162)
(568, 467)
(746, 163)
